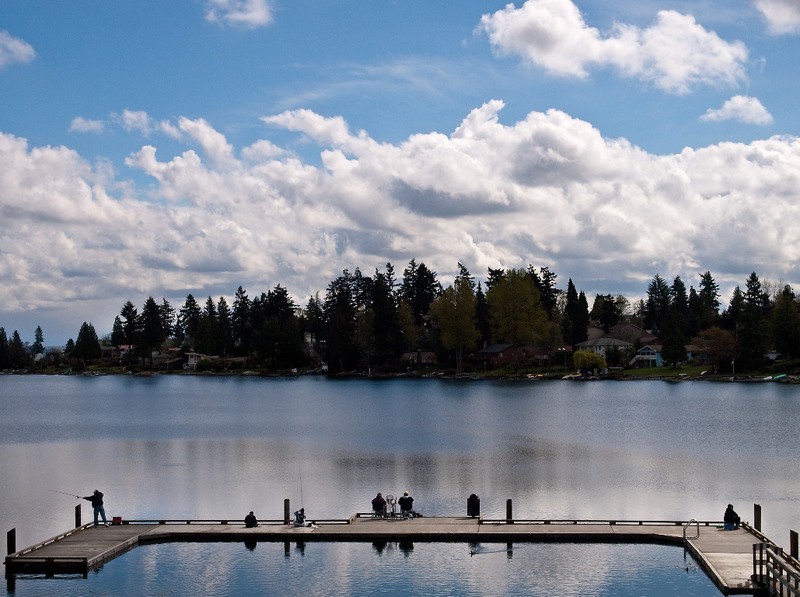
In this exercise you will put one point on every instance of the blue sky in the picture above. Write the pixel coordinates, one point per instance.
(166, 148)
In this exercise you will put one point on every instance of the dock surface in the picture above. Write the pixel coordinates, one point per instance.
(726, 556)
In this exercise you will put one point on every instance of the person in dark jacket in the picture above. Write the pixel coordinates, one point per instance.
(379, 505)
(406, 505)
(97, 505)
(731, 519)
(300, 518)
(250, 521)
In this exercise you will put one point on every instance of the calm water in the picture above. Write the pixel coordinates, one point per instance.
(204, 447)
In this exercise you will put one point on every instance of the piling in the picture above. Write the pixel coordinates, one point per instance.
(509, 512)
(286, 511)
(11, 541)
(77, 516)
(757, 517)
(793, 544)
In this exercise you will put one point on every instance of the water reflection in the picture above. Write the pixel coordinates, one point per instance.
(215, 448)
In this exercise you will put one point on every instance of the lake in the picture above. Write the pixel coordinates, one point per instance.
(218, 447)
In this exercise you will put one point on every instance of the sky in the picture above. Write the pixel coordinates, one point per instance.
(162, 149)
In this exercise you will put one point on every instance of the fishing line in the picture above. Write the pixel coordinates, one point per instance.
(65, 493)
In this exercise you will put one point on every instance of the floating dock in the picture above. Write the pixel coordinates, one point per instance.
(729, 558)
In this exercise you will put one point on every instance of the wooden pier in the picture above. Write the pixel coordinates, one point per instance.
(727, 557)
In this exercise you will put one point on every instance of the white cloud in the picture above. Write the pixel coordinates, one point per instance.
(248, 14)
(675, 53)
(742, 108)
(13, 49)
(782, 16)
(135, 120)
(83, 125)
(548, 189)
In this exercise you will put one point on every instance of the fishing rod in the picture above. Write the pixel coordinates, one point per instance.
(300, 471)
(65, 493)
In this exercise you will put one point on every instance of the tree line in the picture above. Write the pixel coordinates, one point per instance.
(368, 322)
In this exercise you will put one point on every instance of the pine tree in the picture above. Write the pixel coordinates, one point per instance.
(38, 342)
(87, 346)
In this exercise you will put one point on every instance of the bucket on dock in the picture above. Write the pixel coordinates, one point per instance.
(116, 520)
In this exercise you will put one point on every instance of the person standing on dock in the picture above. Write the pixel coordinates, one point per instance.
(97, 505)
(731, 519)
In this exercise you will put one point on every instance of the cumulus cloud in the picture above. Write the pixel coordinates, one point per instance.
(782, 16)
(549, 189)
(742, 108)
(675, 54)
(13, 49)
(82, 125)
(248, 14)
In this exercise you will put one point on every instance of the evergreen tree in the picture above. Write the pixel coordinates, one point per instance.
(678, 309)
(206, 335)
(657, 305)
(151, 324)
(4, 356)
(419, 289)
(751, 336)
(224, 327)
(38, 342)
(87, 346)
(167, 314)
(545, 282)
(17, 355)
(241, 328)
(117, 332)
(189, 318)
(386, 334)
(130, 323)
(707, 313)
(580, 322)
(340, 325)
(314, 320)
(482, 318)
(786, 323)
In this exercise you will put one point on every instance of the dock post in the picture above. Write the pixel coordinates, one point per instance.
(286, 510)
(509, 512)
(77, 516)
(11, 541)
(793, 543)
(757, 517)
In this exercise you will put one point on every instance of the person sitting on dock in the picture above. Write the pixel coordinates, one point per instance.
(97, 505)
(731, 519)
(250, 521)
(379, 506)
(406, 505)
(300, 518)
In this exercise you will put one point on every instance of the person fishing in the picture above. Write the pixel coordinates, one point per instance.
(300, 518)
(379, 506)
(97, 505)
(406, 503)
(250, 521)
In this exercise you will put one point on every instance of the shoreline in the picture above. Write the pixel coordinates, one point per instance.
(441, 375)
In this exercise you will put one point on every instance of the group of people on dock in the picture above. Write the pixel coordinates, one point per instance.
(380, 506)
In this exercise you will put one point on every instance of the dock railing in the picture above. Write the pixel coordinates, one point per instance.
(776, 571)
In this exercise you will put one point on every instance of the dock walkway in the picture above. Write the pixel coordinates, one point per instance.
(726, 556)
